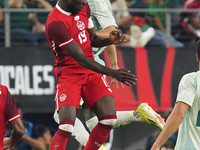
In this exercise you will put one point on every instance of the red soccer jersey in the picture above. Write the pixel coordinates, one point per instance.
(8, 111)
(61, 29)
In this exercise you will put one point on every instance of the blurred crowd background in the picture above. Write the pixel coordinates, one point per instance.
(145, 23)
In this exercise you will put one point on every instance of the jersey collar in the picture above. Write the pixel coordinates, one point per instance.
(62, 11)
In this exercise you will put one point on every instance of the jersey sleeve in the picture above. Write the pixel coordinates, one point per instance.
(187, 89)
(59, 33)
(90, 24)
(101, 13)
(11, 109)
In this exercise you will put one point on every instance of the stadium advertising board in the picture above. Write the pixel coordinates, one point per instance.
(28, 73)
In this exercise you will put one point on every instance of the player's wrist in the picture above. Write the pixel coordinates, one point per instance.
(110, 72)
(114, 66)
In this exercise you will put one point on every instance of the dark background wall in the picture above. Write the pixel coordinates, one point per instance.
(28, 72)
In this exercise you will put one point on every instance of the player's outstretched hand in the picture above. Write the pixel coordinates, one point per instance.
(115, 81)
(7, 144)
(116, 37)
(124, 76)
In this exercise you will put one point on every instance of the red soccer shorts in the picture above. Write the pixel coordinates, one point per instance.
(71, 87)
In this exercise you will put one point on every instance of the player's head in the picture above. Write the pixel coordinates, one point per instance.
(198, 50)
(44, 132)
(75, 6)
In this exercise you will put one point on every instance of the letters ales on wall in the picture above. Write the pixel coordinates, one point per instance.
(28, 73)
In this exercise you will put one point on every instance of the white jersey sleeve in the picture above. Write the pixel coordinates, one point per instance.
(90, 24)
(101, 14)
(187, 89)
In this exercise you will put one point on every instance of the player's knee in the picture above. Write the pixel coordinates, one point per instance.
(67, 126)
(108, 120)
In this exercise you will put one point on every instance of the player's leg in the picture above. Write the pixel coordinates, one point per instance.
(79, 132)
(109, 141)
(105, 110)
(67, 115)
(98, 96)
(144, 113)
(123, 118)
(67, 98)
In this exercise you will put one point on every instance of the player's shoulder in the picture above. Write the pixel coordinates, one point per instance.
(191, 75)
(87, 10)
(190, 78)
(54, 13)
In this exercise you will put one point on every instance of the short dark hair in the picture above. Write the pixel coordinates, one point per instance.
(39, 130)
(198, 47)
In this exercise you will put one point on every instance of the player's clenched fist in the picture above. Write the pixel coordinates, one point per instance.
(116, 37)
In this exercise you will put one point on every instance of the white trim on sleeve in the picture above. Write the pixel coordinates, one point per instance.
(65, 43)
(15, 117)
(90, 24)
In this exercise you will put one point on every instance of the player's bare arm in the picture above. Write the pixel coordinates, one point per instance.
(76, 52)
(17, 133)
(115, 37)
(105, 32)
(172, 124)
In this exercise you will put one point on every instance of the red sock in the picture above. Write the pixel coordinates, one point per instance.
(99, 135)
(59, 140)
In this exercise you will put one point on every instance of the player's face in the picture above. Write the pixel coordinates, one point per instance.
(77, 5)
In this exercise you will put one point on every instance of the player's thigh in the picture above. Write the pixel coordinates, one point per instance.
(67, 112)
(88, 114)
(104, 106)
(95, 88)
(98, 92)
(68, 95)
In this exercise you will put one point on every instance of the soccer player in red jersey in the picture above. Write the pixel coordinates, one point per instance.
(71, 34)
(8, 112)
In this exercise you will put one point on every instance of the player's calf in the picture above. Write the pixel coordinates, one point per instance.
(100, 133)
(60, 138)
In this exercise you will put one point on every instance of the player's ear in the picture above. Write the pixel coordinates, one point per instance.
(197, 57)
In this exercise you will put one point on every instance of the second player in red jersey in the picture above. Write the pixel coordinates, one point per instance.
(8, 112)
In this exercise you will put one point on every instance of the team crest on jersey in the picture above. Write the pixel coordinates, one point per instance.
(80, 25)
(62, 97)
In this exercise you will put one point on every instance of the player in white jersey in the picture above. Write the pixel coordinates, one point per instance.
(186, 113)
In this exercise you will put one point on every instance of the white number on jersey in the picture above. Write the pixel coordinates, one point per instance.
(82, 37)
